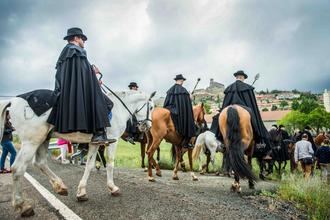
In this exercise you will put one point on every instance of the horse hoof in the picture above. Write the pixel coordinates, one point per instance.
(63, 192)
(116, 193)
(195, 178)
(175, 178)
(145, 169)
(82, 198)
(202, 173)
(159, 174)
(151, 179)
(27, 211)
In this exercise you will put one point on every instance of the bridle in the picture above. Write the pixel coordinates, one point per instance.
(133, 115)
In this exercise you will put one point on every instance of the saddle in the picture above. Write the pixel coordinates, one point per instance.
(40, 101)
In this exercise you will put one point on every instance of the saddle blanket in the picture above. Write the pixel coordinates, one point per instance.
(40, 100)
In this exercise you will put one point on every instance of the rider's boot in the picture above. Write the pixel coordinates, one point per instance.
(100, 137)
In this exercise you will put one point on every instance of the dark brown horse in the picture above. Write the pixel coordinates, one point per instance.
(236, 129)
(163, 128)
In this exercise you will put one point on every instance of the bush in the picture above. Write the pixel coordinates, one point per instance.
(313, 196)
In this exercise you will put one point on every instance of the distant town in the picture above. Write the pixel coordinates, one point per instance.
(273, 105)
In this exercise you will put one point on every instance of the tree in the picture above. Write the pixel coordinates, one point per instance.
(295, 105)
(293, 120)
(318, 119)
(295, 91)
(307, 105)
(207, 108)
(283, 104)
(274, 107)
(265, 110)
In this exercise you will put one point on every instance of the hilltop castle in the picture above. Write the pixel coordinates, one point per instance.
(214, 93)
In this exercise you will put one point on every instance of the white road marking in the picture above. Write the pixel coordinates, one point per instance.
(65, 211)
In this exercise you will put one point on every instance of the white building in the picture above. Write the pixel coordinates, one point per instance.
(326, 100)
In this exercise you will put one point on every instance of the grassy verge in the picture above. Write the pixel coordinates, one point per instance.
(312, 196)
(129, 156)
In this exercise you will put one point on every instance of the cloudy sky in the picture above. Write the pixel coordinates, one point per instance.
(149, 42)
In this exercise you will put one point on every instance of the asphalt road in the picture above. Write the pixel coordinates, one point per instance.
(208, 198)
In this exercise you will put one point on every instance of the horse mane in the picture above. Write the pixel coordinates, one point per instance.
(130, 94)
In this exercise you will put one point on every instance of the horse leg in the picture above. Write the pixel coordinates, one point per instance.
(143, 153)
(235, 187)
(91, 156)
(182, 163)
(193, 176)
(261, 167)
(115, 191)
(177, 161)
(150, 152)
(208, 160)
(24, 157)
(158, 154)
(205, 167)
(41, 162)
(279, 167)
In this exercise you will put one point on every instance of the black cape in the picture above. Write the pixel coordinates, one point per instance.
(81, 105)
(178, 102)
(242, 94)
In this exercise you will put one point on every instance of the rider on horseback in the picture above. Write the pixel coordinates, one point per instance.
(242, 94)
(81, 105)
(131, 127)
(179, 103)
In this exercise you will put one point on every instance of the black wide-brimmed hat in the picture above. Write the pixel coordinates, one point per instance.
(241, 73)
(179, 76)
(133, 84)
(75, 32)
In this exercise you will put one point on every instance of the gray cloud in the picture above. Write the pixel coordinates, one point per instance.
(151, 41)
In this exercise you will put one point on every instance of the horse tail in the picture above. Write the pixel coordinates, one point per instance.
(173, 153)
(200, 143)
(235, 148)
(3, 106)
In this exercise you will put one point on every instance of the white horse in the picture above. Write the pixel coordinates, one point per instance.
(33, 132)
(206, 140)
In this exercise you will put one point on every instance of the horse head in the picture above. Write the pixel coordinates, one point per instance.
(144, 107)
(199, 113)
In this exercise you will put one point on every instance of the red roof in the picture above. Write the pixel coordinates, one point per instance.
(274, 115)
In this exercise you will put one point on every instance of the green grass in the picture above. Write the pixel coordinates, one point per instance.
(129, 156)
(312, 196)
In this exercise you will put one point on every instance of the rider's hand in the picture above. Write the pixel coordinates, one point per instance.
(96, 70)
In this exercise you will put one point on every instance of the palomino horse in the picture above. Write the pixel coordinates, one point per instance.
(236, 129)
(206, 141)
(163, 128)
(33, 132)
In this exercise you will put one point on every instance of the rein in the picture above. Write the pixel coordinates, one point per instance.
(125, 106)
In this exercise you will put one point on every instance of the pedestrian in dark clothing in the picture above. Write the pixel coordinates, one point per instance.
(323, 157)
(7, 145)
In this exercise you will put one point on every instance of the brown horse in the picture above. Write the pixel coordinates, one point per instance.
(163, 128)
(143, 142)
(199, 118)
(236, 129)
